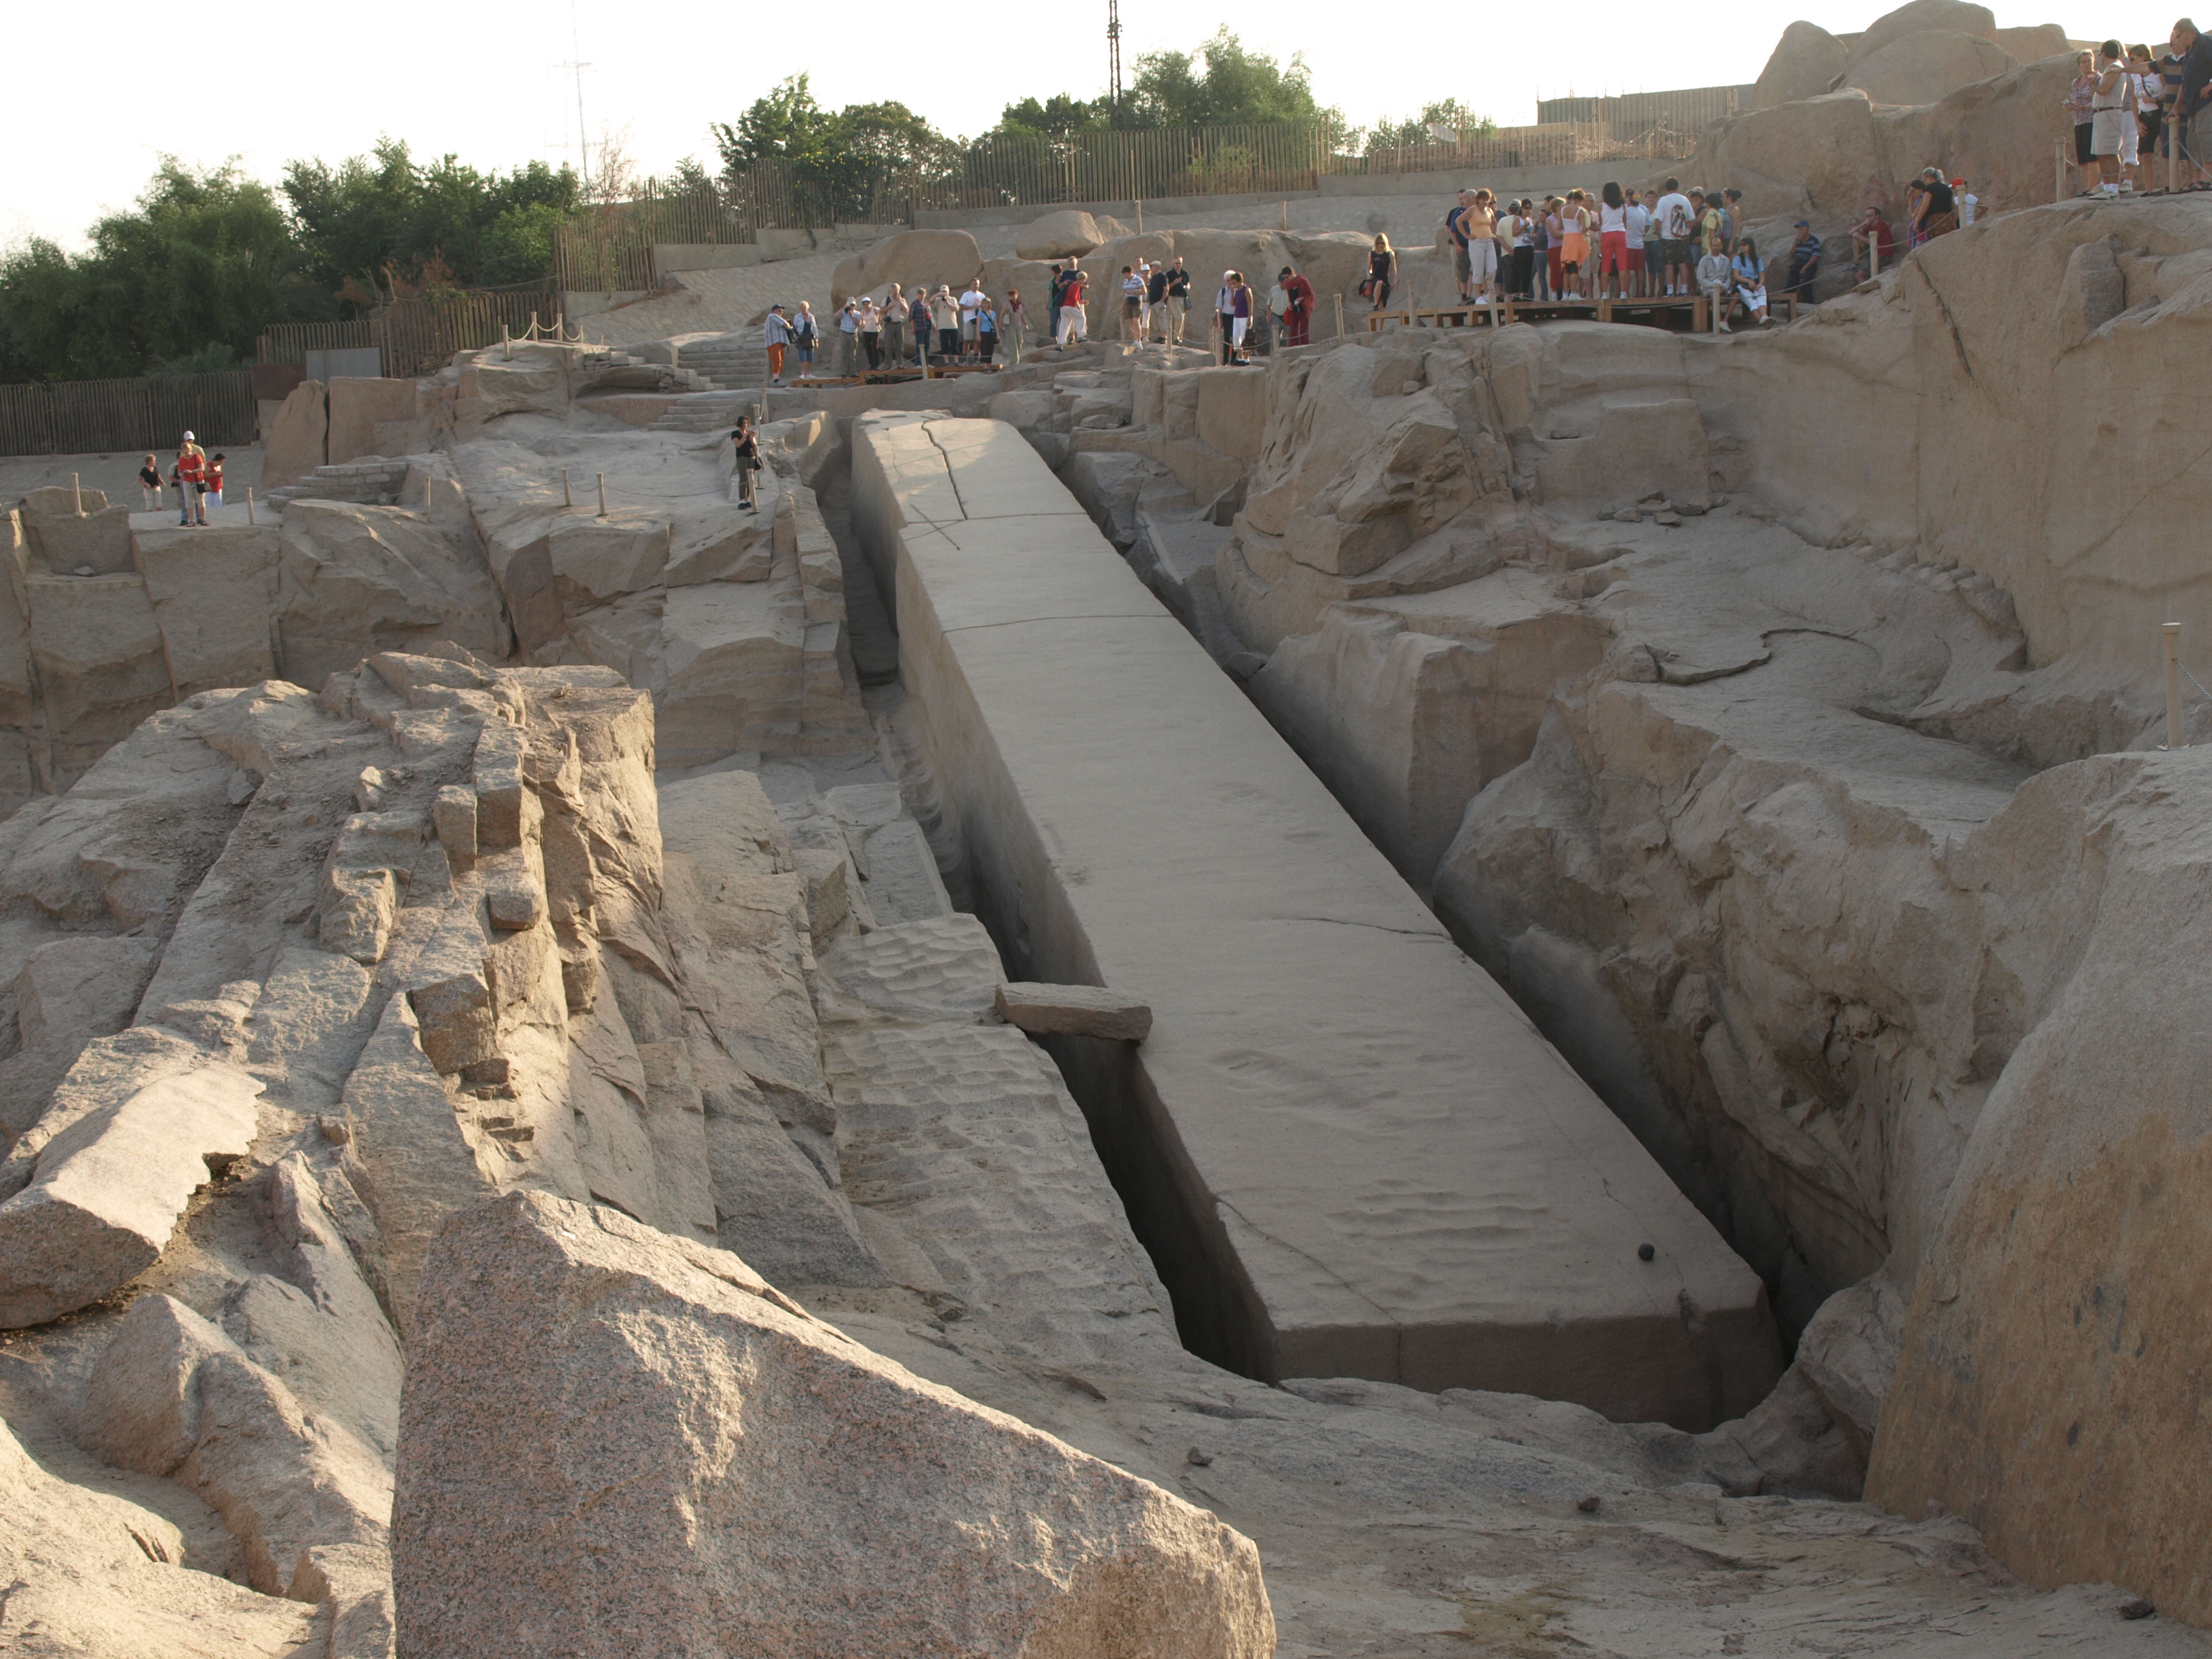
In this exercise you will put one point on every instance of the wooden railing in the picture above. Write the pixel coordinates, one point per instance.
(417, 336)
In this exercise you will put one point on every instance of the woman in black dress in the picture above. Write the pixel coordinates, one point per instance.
(1382, 272)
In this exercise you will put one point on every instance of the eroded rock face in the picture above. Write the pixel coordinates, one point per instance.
(758, 1478)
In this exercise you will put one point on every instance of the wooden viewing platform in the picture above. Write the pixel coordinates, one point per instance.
(1652, 311)
(893, 376)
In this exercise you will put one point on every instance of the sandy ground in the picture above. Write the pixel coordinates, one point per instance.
(118, 475)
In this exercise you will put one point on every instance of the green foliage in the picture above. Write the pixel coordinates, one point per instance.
(1386, 135)
(203, 262)
(1224, 84)
(379, 225)
(1055, 118)
(837, 160)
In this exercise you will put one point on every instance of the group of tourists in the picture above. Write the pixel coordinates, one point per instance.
(925, 326)
(194, 475)
(2127, 105)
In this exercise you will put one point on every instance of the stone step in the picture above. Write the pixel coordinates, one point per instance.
(374, 482)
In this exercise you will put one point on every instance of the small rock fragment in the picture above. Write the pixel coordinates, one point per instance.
(1587, 1503)
(2136, 1607)
(1198, 1457)
(1073, 1010)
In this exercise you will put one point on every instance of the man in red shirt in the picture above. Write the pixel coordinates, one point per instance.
(1074, 324)
(1874, 230)
(191, 471)
(1297, 320)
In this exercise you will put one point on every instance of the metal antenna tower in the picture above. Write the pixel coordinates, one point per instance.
(1114, 50)
(583, 144)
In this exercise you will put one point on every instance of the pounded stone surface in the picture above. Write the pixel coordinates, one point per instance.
(106, 1192)
(758, 1478)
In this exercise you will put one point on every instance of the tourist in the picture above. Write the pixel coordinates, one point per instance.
(1732, 224)
(191, 465)
(149, 485)
(1051, 302)
(1939, 208)
(1638, 218)
(1707, 207)
(1481, 225)
(747, 446)
(1613, 239)
(1524, 249)
(1750, 280)
(2192, 101)
(1716, 279)
(1545, 265)
(2081, 103)
(1225, 316)
(1132, 306)
(896, 314)
(805, 335)
(1554, 240)
(1969, 203)
(1455, 232)
(776, 332)
(1676, 226)
(2150, 119)
(1297, 313)
(1574, 246)
(868, 327)
(2111, 111)
(1074, 323)
(1381, 273)
(987, 332)
(1014, 324)
(1178, 299)
(848, 340)
(211, 483)
(1916, 194)
(1156, 303)
(1804, 264)
(1241, 306)
(974, 305)
(945, 311)
(1873, 233)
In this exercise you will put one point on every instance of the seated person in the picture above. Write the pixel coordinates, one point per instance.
(1750, 276)
(1874, 230)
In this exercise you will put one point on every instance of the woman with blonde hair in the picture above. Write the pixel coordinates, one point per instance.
(1382, 272)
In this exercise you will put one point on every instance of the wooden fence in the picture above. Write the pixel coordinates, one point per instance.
(1685, 109)
(84, 418)
(417, 335)
(609, 248)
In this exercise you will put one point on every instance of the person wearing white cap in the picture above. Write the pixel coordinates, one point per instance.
(1224, 314)
(191, 466)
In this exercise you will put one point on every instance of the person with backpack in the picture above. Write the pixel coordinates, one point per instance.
(1677, 225)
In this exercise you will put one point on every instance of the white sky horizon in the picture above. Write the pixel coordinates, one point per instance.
(279, 81)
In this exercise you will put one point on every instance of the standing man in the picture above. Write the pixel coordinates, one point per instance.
(1074, 323)
(1178, 299)
(1132, 306)
(974, 302)
(1052, 303)
(776, 332)
(1463, 259)
(896, 311)
(848, 339)
(2192, 104)
(1297, 311)
(1156, 300)
(1676, 226)
(1639, 223)
(747, 445)
(191, 473)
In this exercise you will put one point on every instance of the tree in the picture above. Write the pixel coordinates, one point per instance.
(1223, 84)
(1421, 132)
(193, 273)
(838, 162)
(373, 225)
(1057, 117)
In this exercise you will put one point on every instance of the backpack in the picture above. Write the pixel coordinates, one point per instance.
(1678, 222)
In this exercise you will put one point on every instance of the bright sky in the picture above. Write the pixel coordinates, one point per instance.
(276, 80)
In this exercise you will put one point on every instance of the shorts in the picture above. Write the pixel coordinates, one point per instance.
(1635, 258)
(1461, 261)
(1574, 249)
(2196, 136)
(2106, 131)
(2082, 152)
(967, 328)
(1666, 251)
(1131, 308)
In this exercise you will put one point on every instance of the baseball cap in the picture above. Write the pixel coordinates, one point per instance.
(190, 438)
(1804, 224)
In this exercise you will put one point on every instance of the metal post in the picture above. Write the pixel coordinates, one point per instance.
(506, 343)
(2170, 636)
(1339, 298)
(603, 495)
(249, 504)
(76, 489)
(568, 499)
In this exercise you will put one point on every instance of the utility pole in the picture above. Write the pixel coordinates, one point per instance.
(1113, 52)
(583, 144)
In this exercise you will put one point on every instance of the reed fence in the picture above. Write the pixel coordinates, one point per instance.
(416, 336)
(80, 418)
(609, 248)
